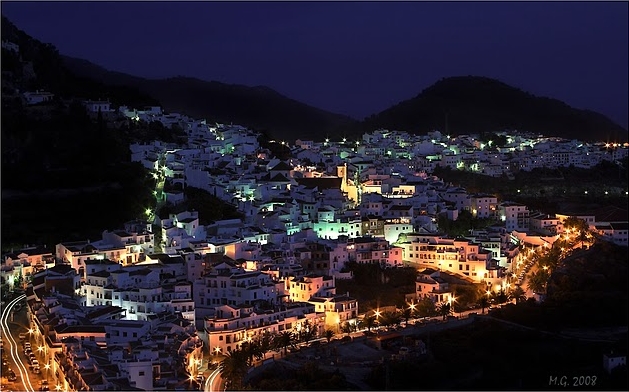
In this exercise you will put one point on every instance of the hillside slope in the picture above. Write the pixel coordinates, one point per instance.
(470, 104)
(259, 108)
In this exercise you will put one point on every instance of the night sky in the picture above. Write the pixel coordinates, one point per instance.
(352, 58)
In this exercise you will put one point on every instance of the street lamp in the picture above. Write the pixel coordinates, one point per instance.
(47, 367)
(452, 300)
(217, 350)
(377, 314)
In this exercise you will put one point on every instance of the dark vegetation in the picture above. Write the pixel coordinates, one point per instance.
(566, 190)
(51, 73)
(471, 104)
(587, 289)
(65, 176)
(210, 207)
(308, 377)
(489, 355)
(374, 286)
(462, 226)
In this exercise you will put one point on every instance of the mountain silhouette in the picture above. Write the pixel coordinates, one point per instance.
(473, 104)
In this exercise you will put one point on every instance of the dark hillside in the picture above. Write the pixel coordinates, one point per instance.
(259, 108)
(39, 66)
(470, 104)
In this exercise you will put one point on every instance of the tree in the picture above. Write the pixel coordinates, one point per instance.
(307, 332)
(484, 303)
(501, 297)
(406, 313)
(346, 328)
(368, 322)
(283, 340)
(444, 309)
(537, 281)
(517, 294)
(390, 318)
(252, 350)
(426, 308)
(233, 369)
(266, 342)
(577, 226)
(329, 334)
(467, 294)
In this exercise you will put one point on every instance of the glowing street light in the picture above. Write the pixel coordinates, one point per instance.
(58, 387)
(217, 350)
(452, 300)
(47, 367)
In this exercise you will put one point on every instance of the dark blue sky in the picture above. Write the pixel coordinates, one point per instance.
(352, 58)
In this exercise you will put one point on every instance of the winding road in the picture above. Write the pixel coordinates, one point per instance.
(8, 334)
(213, 382)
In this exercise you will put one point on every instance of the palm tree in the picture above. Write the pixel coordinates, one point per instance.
(329, 334)
(307, 332)
(234, 368)
(283, 340)
(368, 322)
(517, 294)
(501, 297)
(406, 313)
(444, 309)
(266, 342)
(580, 226)
(484, 303)
(251, 350)
(537, 281)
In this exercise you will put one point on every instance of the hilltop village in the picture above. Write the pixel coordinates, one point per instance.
(144, 305)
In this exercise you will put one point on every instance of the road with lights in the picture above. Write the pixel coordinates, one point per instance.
(213, 382)
(13, 345)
